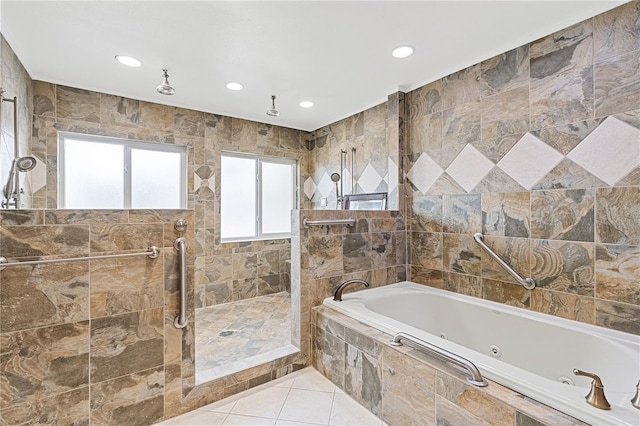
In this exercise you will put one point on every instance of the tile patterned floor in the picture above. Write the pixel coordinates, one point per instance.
(235, 336)
(303, 398)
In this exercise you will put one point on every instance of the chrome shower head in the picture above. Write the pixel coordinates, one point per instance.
(165, 88)
(335, 177)
(273, 112)
(25, 164)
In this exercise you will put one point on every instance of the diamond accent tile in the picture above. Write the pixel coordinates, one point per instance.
(610, 152)
(469, 167)
(326, 185)
(529, 160)
(424, 173)
(309, 187)
(392, 176)
(369, 179)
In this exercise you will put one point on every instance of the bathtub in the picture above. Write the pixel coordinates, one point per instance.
(529, 352)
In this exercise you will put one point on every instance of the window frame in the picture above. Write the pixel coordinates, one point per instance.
(128, 145)
(259, 235)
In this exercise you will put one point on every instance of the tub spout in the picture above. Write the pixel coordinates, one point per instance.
(338, 295)
(635, 401)
(595, 396)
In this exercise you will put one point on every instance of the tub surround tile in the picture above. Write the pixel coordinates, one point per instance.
(564, 305)
(461, 87)
(36, 296)
(323, 256)
(505, 113)
(448, 413)
(524, 420)
(48, 240)
(329, 356)
(505, 72)
(617, 269)
(363, 379)
(563, 214)
(506, 214)
(568, 175)
(615, 32)
(461, 254)
(426, 276)
(462, 213)
(356, 249)
(104, 238)
(460, 126)
(56, 362)
(464, 284)
(427, 250)
(617, 84)
(496, 148)
(127, 343)
(425, 100)
(69, 408)
(617, 215)
(508, 293)
(564, 266)
(618, 316)
(565, 137)
(516, 252)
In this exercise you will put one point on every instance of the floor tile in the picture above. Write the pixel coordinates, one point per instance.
(297, 423)
(307, 406)
(234, 419)
(347, 412)
(223, 406)
(197, 418)
(310, 379)
(267, 402)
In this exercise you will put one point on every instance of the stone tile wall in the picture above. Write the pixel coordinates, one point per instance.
(405, 387)
(538, 149)
(374, 133)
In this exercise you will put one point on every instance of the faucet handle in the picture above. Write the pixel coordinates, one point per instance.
(596, 395)
(635, 401)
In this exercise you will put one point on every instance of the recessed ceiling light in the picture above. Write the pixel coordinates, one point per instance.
(306, 104)
(234, 86)
(128, 61)
(402, 51)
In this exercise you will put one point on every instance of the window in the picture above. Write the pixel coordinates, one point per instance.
(96, 172)
(256, 197)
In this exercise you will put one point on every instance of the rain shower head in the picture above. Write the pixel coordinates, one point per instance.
(25, 164)
(165, 88)
(273, 112)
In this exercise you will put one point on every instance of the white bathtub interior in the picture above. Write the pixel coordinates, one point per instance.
(529, 352)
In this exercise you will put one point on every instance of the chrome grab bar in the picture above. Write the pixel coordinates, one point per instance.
(527, 283)
(152, 252)
(475, 378)
(180, 244)
(306, 222)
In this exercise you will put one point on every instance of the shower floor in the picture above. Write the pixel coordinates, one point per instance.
(235, 336)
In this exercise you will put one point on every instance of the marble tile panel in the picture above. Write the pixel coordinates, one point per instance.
(618, 273)
(77, 104)
(217, 128)
(564, 305)
(563, 214)
(505, 72)
(564, 266)
(356, 249)
(125, 285)
(407, 390)
(506, 113)
(426, 135)
(156, 116)
(516, 252)
(615, 32)
(289, 139)
(268, 284)
(69, 408)
(44, 99)
(245, 288)
(244, 132)
(618, 316)
(461, 254)
(496, 148)
(462, 213)
(426, 213)
(473, 400)
(426, 276)
(35, 296)
(214, 294)
(159, 215)
(464, 284)
(425, 100)
(125, 344)
(363, 379)
(48, 240)
(460, 125)
(329, 356)
(134, 399)
(564, 50)
(115, 237)
(427, 250)
(524, 420)
(383, 249)
(77, 217)
(617, 84)
(43, 362)
(245, 265)
(568, 175)
(448, 413)
(506, 214)
(565, 137)
(21, 217)
(508, 293)
(268, 262)
(497, 181)
(461, 87)
(324, 255)
(617, 215)
(119, 111)
(188, 122)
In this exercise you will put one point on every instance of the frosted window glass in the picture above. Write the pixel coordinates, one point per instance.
(238, 197)
(155, 179)
(93, 177)
(277, 190)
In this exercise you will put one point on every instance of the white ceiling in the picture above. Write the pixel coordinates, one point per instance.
(334, 53)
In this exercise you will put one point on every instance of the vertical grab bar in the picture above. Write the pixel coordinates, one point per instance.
(180, 244)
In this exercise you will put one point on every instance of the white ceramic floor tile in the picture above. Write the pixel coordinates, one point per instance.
(311, 379)
(234, 419)
(347, 412)
(222, 406)
(265, 402)
(307, 406)
(296, 423)
(338, 390)
(283, 382)
(196, 418)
